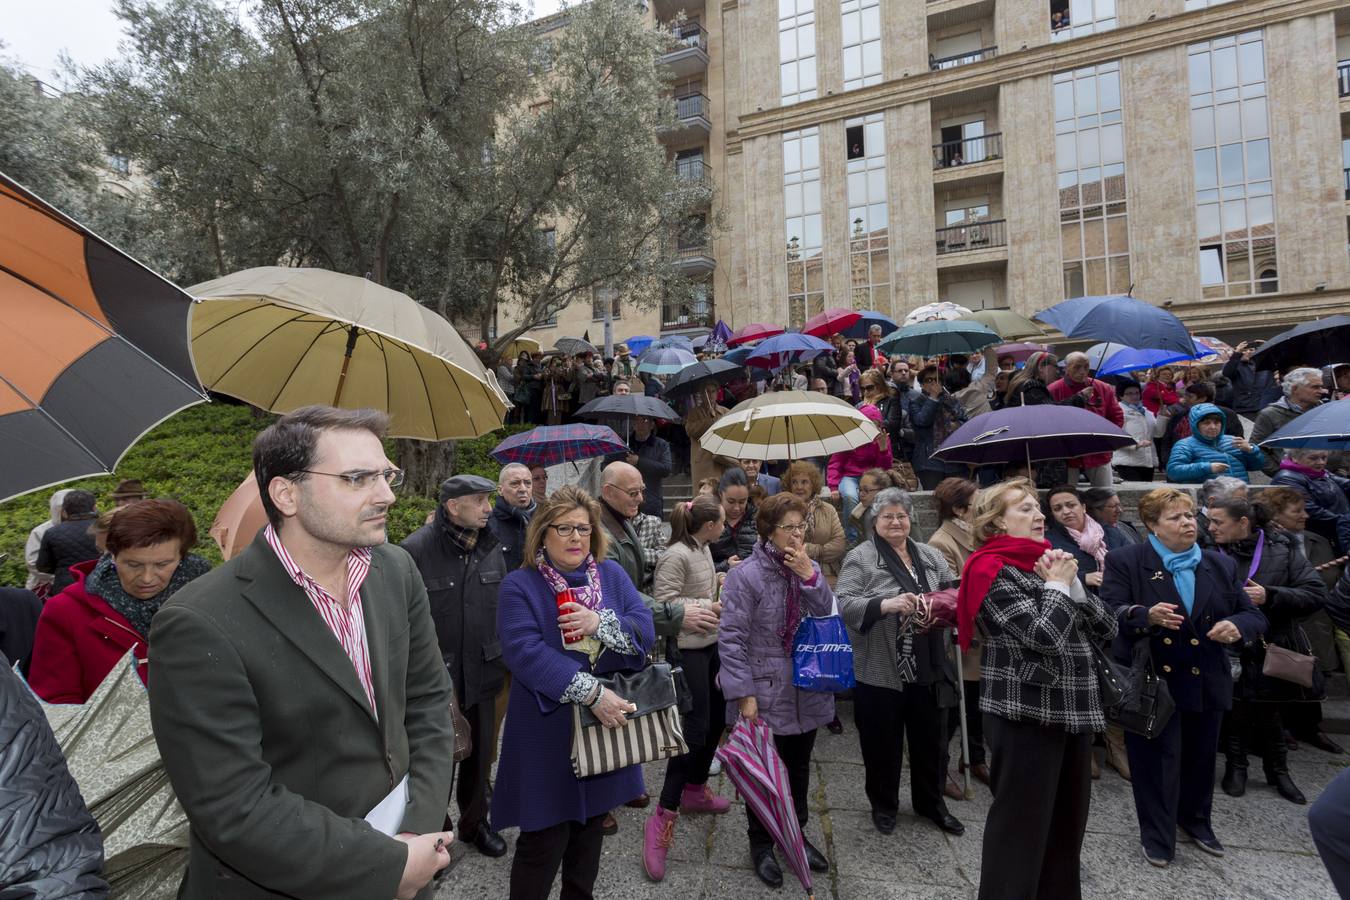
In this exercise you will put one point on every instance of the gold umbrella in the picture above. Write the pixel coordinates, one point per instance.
(1009, 325)
(281, 338)
(520, 345)
(789, 425)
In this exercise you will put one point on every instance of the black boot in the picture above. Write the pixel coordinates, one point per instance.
(1277, 776)
(1234, 781)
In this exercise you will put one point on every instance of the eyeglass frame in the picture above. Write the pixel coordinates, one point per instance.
(572, 529)
(894, 517)
(799, 528)
(393, 477)
(634, 494)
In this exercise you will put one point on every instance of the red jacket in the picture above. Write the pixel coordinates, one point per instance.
(78, 641)
(1103, 403)
(852, 463)
(1156, 395)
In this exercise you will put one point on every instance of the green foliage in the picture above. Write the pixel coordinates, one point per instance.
(199, 457)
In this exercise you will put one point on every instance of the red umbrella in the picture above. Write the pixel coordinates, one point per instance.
(752, 763)
(753, 332)
(831, 321)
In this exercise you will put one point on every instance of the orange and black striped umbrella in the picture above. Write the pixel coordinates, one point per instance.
(93, 347)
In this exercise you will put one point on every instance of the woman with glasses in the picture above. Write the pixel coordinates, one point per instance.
(555, 643)
(905, 680)
(763, 601)
(935, 414)
(824, 537)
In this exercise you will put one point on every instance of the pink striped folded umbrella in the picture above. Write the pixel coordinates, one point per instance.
(752, 763)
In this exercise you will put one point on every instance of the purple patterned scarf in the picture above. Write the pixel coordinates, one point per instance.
(588, 596)
(793, 604)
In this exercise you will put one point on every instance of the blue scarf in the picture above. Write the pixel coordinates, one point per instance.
(1182, 566)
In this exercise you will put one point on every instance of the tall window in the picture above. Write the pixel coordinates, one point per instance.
(869, 248)
(1090, 160)
(801, 207)
(797, 49)
(862, 42)
(599, 297)
(1234, 199)
(1075, 18)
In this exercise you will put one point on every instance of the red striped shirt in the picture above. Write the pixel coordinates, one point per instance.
(348, 625)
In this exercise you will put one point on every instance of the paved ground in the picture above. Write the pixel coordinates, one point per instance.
(1270, 854)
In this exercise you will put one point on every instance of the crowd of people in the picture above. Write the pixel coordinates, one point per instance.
(295, 686)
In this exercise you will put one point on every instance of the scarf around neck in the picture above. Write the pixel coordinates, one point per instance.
(1301, 469)
(1091, 540)
(588, 595)
(104, 584)
(910, 581)
(1182, 566)
(792, 606)
(982, 568)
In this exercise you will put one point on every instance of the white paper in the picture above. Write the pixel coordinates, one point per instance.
(387, 816)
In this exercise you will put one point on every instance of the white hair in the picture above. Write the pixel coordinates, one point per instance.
(891, 496)
(1075, 356)
(1299, 376)
(1222, 487)
(502, 475)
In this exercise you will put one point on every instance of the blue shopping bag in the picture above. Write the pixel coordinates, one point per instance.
(822, 655)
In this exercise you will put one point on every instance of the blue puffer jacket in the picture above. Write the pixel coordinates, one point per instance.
(1190, 459)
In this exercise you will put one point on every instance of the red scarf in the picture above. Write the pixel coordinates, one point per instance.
(979, 573)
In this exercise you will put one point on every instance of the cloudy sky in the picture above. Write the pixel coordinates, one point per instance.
(36, 33)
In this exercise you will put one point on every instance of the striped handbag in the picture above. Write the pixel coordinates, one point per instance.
(653, 732)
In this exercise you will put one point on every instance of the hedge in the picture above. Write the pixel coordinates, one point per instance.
(199, 457)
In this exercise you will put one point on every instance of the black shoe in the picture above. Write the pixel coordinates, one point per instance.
(609, 825)
(766, 867)
(641, 801)
(487, 841)
(835, 726)
(1158, 862)
(1208, 843)
(1234, 780)
(815, 859)
(1286, 788)
(1322, 742)
(948, 823)
(885, 822)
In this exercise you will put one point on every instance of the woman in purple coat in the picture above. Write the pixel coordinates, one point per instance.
(763, 601)
(607, 629)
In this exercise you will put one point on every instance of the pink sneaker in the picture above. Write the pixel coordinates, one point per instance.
(658, 834)
(699, 798)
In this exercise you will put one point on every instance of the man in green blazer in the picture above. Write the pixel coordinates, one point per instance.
(293, 688)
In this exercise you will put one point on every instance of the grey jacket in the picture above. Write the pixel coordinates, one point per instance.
(1268, 421)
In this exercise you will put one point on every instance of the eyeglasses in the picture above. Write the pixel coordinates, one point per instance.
(567, 531)
(894, 517)
(869, 388)
(930, 381)
(794, 529)
(364, 480)
(634, 494)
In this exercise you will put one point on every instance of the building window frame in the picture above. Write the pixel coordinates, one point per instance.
(860, 21)
(1081, 18)
(868, 219)
(803, 223)
(797, 76)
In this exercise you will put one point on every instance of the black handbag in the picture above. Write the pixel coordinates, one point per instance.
(652, 732)
(1147, 704)
(1112, 677)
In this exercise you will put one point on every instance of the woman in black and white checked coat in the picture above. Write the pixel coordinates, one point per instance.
(904, 680)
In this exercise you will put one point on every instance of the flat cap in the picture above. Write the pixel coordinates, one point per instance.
(464, 485)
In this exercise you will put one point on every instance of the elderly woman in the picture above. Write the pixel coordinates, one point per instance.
(1161, 391)
(1039, 692)
(825, 541)
(1104, 505)
(1221, 487)
(1136, 463)
(1327, 496)
(1188, 604)
(685, 575)
(935, 414)
(904, 678)
(84, 630)
(1283, 585)
(554, 653)
(955, 540)
(1209, 451)
(738, 535)
(763, 602)
(870, 483)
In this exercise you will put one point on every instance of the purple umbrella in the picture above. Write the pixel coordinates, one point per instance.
(787, 349)
(549, 445)
(1021, 433)
(751, 762)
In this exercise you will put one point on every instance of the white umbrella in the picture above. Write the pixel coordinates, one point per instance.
(789, 425)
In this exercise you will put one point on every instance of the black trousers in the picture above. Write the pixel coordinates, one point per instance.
(1257, 728)
(703, 726)
(884, 718)
(974, 724)
(1042, 783)
(795, 750)
(1329, 822)
(929, 480)
(1173, 779)
(1135, 473)
(471, 784)
(573, 846)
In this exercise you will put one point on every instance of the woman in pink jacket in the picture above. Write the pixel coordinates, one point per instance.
(845, 468)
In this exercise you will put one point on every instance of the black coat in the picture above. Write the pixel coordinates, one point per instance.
(1327, 501)
(19, 611)
(895, 414)
(1293, 591)
(1087, 564)
(1195, 668)
(655, 462)
(462, 592)
(739, 542)
(64, 545)
(509, 524)
(52, 846)
(1253, 391)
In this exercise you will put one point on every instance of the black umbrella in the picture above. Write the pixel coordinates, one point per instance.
(1314, 343)
(627, 405)
(684, 382)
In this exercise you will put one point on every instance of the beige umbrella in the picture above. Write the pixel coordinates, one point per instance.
(1009, 325)
(789, 425)
(519, 345)
(281, 338)
(240, 519)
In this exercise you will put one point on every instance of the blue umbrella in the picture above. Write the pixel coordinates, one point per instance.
(639, 343)
(738, 355)
(672, 340)
(1327, 427)
(1129, 359)
(869, 318)
(1122, 319)
(787, 349)
(665, 360)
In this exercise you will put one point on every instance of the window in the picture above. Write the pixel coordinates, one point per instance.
(869, 245)
(599, 297)
(548, 240)
(862, 42)
(801, 208)
(965, 215)
(1230, 139)
(797, 49)
(1201, 4)
(1090, 161)
(119, 164)
(962, 144)
(1075, 18)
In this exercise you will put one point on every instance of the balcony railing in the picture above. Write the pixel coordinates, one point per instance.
(694, 171)
(968, 150)
(692, 106)
(979, 235)
(1343, 78)
(962, 59)
(1346, 173)
(690, 36)
(693, 253)
(696, 313)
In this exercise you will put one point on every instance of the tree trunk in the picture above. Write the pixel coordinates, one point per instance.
(425, 464)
